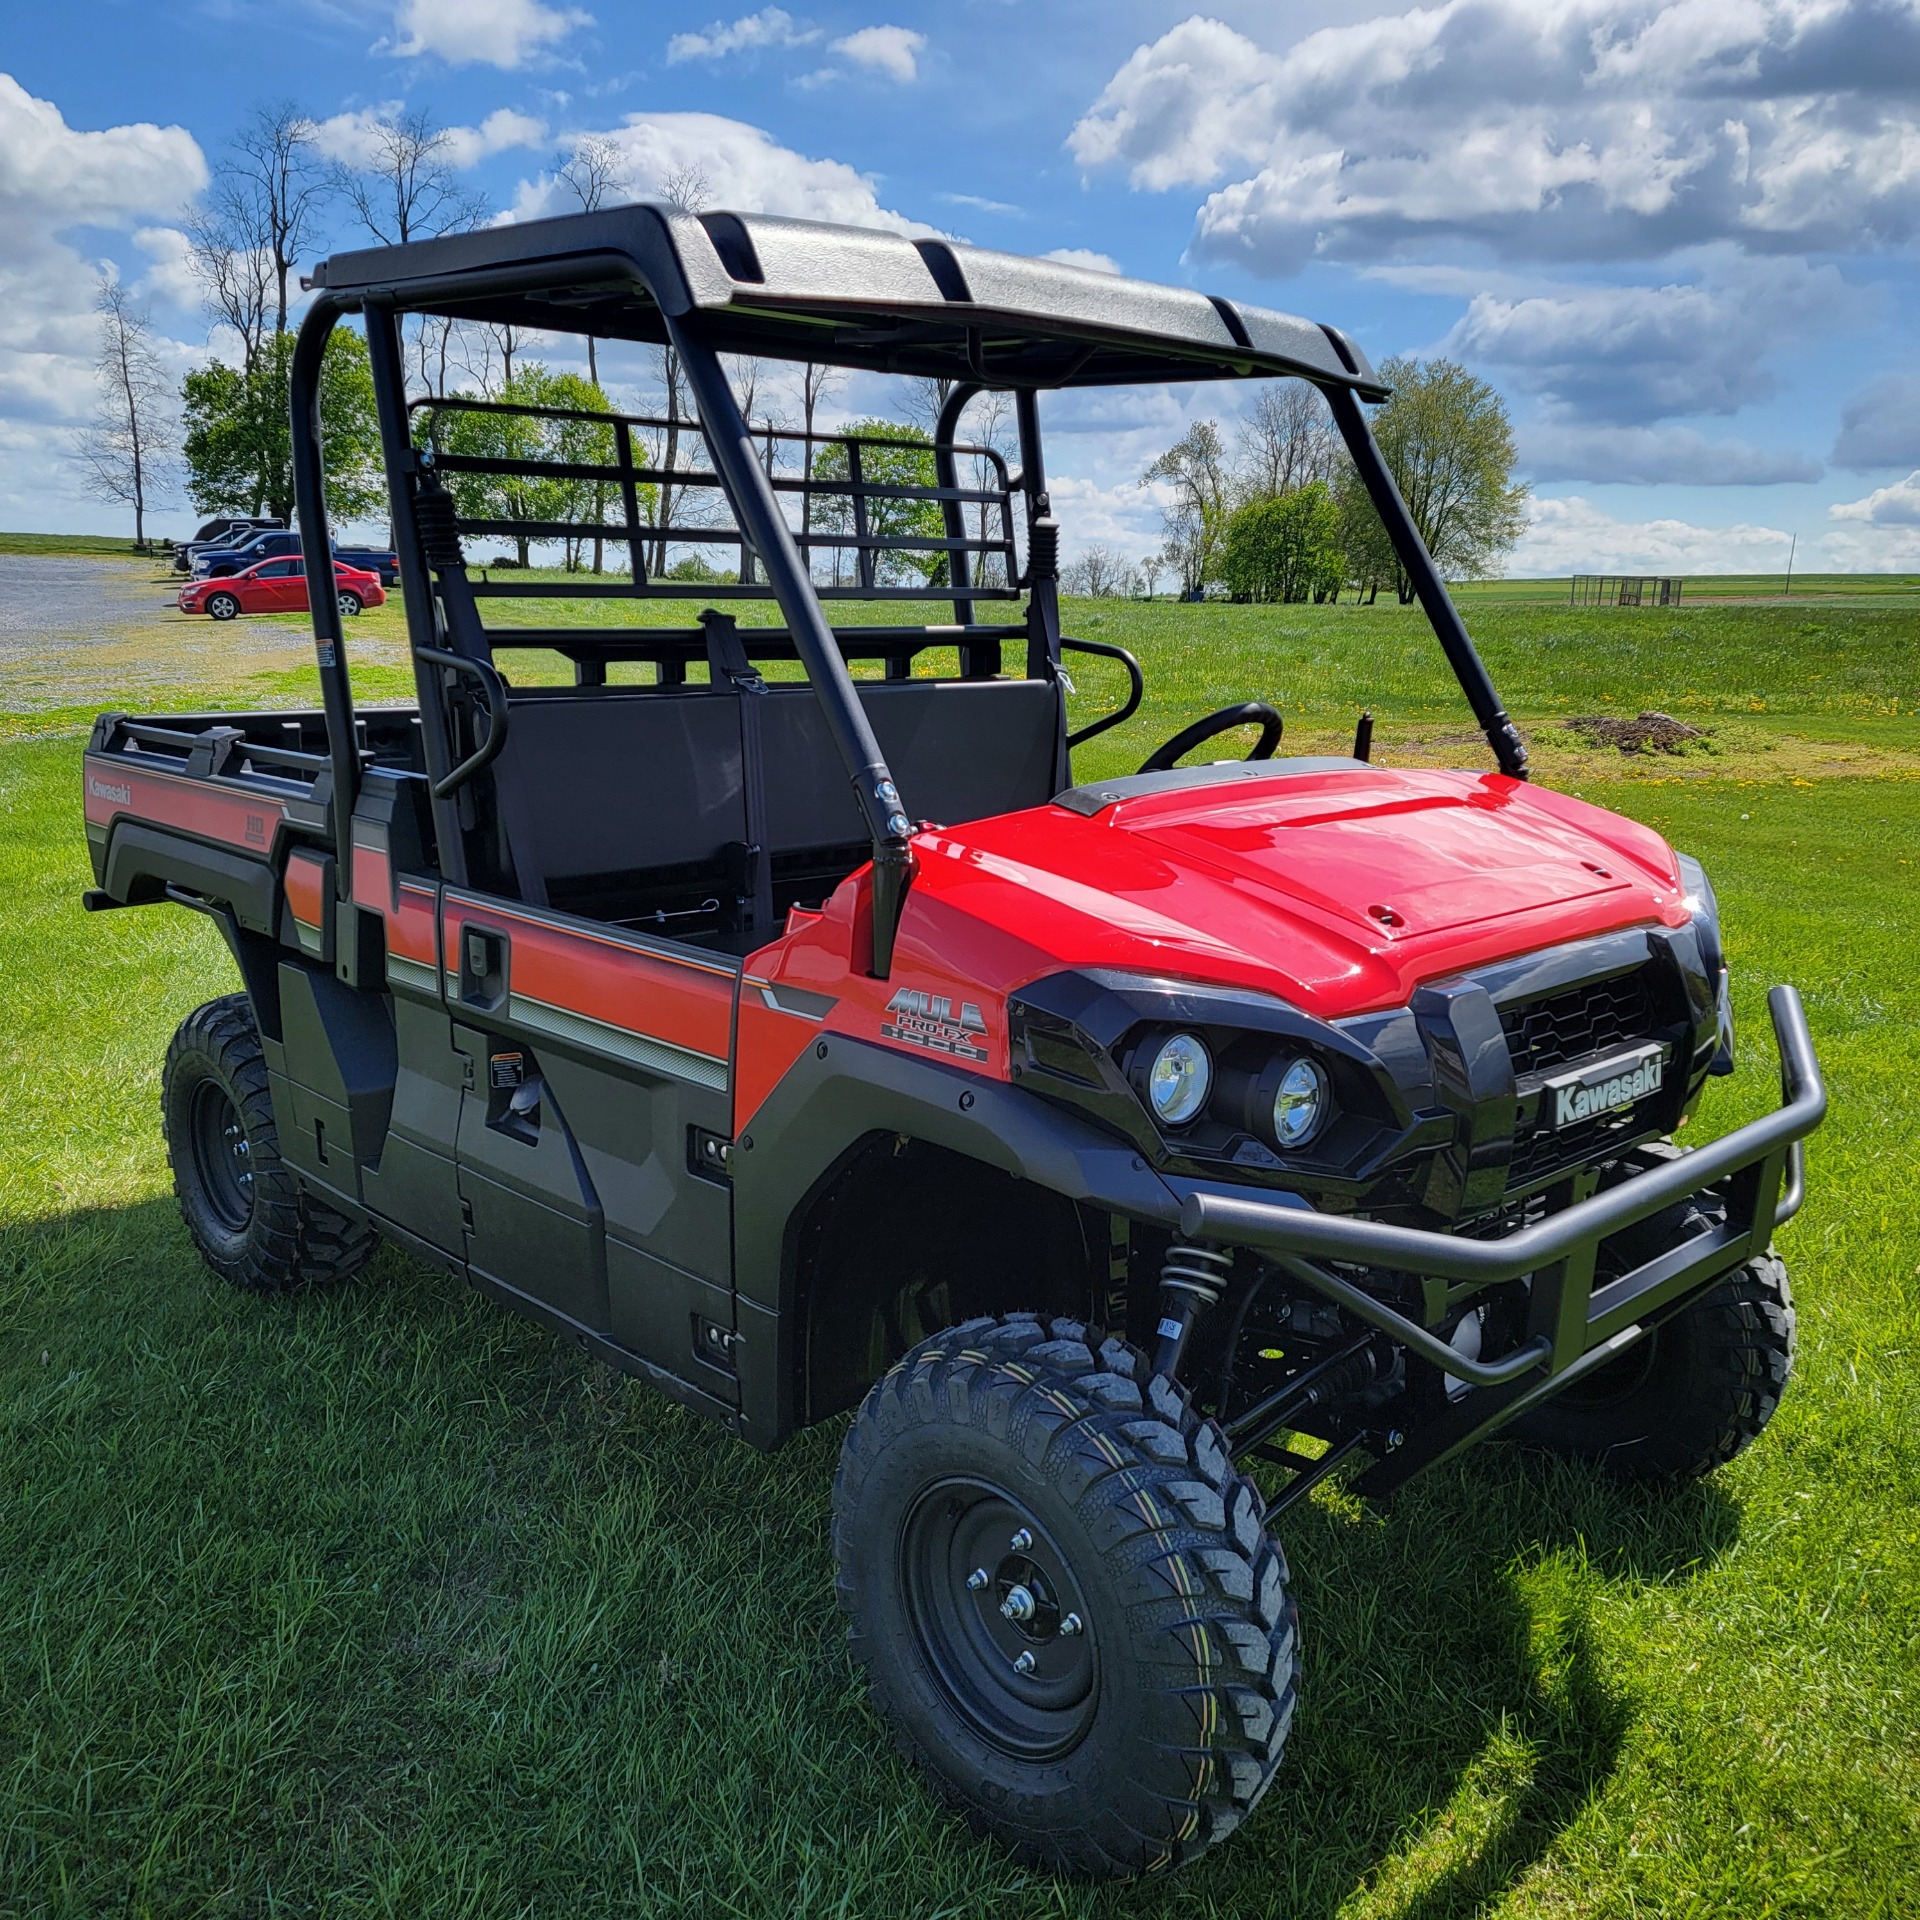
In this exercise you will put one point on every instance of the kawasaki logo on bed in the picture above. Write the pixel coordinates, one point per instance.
(120, 794)
(1612, 1084)
(928, 1020)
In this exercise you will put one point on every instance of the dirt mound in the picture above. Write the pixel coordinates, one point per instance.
(1639, 733)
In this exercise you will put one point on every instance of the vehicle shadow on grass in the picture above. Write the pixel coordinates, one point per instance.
(1455, 1714)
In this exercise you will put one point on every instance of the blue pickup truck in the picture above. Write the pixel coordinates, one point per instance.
(218, 563)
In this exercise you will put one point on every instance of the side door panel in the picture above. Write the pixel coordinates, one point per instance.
(631, 1039)
(533, 1217)
(413, 1184)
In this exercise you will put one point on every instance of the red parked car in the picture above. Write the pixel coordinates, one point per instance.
(278, 586)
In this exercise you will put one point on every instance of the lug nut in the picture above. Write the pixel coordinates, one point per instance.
(1018, 1605)
(1025, 1664)
(1022, 1541)
(1071, 1624)
(977, 1579)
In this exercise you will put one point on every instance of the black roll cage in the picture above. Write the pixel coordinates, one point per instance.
(713, 285)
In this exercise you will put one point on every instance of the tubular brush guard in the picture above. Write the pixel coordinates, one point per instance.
(1573, 1326)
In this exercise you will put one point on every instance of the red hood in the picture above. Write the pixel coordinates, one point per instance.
(1340, 890)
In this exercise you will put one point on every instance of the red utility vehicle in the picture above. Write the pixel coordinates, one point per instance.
(784, 1021)
(279, 586)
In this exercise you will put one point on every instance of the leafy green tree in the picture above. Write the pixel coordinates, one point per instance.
(1449, 444)
(887, 519)
(1370, 560)
(1194, 468)
(239, 439)
(506, 437)
(1285, 549)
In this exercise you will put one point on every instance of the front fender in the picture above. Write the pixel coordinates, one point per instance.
(839, 1093)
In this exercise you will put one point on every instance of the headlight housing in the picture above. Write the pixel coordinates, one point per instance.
(1302, 1104)
(1179, 1079)
(1705, 909)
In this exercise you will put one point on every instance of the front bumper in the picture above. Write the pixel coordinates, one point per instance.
(1573, 1326)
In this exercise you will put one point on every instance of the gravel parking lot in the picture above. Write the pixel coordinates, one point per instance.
(77, 631)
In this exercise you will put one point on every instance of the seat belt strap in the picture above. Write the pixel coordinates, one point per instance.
(728, 665)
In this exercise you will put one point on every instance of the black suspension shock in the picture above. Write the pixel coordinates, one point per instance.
(1192, 1278)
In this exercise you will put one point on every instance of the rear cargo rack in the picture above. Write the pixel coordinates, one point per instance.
(867, 527)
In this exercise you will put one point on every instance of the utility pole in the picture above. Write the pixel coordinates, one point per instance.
(1792, 545)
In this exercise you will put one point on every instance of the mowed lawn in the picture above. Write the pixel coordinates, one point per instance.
(386, 1603)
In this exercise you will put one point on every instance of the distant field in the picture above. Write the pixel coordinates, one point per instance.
(100, 543)
(1713, 586)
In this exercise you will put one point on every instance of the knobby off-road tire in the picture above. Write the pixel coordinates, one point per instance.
(253, 1223)
(1148, 1733)
(1692, 1394)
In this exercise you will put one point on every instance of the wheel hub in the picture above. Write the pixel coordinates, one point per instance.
(221, 1156)
(1000, 1620)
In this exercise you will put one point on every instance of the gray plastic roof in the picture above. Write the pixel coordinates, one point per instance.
(856, 296)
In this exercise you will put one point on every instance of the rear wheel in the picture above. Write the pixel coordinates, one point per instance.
(223, 606)
(1063, 1597)
(349, 603)
(1691, 1394)
(253, 1223)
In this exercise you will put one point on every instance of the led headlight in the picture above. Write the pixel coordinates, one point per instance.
(1301, 1103)
(1179, 1080)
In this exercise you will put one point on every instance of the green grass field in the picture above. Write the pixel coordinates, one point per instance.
(389, 1604)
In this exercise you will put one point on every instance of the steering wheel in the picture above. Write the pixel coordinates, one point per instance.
(1184, 742)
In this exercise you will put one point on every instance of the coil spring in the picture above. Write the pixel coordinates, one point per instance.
(1191, 1267)
(434, 514)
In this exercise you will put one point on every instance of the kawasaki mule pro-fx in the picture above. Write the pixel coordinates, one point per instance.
(810, 1041)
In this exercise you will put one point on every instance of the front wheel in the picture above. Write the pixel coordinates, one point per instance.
(1063, 1596)
(1687, 1397)
(223, 606)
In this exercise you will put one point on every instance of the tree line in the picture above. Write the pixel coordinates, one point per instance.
(1282, 514)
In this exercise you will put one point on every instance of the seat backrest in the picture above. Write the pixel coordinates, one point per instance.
(609, 780)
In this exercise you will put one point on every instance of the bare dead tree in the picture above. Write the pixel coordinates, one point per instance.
(817, 382)
(408, 188)
(1287, 441)
(234, 271)
(596, 175)
(260, 215)
(277, 172)
(687, 189)
(121, 450)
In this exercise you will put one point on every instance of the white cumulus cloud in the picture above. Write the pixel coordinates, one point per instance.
(55, 178)
(770, 27)
(893, 52)
(1894, 506)
(1083, 257)
(746, 169)
(494, 33)
(1575, 536)
(1542, 128)
(354, 137)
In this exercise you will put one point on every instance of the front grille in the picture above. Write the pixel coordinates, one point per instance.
(1543, 1034)
(1552, 1150)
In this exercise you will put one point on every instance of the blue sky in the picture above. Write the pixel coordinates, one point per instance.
(1678, 237)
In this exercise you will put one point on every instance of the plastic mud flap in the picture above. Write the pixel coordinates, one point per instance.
(1573, 1325)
